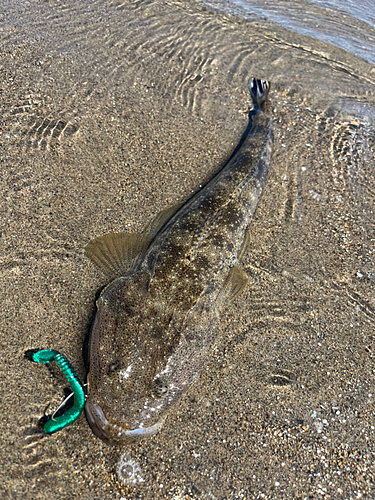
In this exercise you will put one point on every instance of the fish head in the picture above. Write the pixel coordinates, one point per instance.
(141, 361)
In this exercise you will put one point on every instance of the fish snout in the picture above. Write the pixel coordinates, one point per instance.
(98, 422)
(114, 434)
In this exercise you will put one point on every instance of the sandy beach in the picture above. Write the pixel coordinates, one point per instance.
(112, 112)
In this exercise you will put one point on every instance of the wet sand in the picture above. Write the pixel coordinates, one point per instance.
(99, 135)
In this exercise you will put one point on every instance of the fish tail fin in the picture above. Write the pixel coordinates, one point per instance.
(259, 91)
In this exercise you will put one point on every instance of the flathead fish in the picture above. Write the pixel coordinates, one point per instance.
(159, 318)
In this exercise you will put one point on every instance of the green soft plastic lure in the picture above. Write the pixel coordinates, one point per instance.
(72, 414)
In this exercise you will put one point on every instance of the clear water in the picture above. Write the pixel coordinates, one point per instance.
(111, 111)
(346, 24)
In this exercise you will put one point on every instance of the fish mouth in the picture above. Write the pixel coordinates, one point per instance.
(113, 434)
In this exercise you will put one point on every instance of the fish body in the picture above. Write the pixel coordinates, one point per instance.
(157, 321)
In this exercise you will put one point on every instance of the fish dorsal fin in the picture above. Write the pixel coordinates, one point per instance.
(116, 253)
(233, 287)
(161, 218)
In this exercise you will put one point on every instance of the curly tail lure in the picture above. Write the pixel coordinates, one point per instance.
(72, 414)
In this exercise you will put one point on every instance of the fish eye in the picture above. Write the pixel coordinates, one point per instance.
(159, 387)
(113, 367)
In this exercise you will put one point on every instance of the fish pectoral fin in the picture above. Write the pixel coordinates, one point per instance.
(161, 218)
(234, 285)
(245, 247)
(116, 253)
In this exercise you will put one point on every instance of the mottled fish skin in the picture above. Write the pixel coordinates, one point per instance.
(156, 324)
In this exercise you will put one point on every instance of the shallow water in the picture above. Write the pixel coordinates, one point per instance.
(345, 24)
(112, 111)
